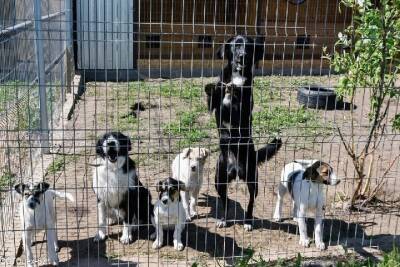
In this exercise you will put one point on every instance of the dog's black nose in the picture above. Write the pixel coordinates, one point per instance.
(31, 205)
(164, 201)
(193, 168)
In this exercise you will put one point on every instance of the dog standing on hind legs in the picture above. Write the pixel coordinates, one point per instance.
(232, 100)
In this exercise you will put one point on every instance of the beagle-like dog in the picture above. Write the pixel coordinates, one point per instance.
(305, 180)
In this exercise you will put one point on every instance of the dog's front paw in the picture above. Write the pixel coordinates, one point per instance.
(320, 245)
(277, 218)
(188, 218)
(54, 260)
(126, 239)
(220, 223)
(305, 242)
(156, 244)
(153, 236)
(100, 236)
(178, 245)
(248, 227)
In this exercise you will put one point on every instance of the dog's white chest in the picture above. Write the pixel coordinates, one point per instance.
(111, 184)
(169, 216)
(227, 100)
(38, 219)
(238, 79)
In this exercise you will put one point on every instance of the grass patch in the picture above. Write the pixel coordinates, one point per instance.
(182, 89)
(7, 180)
(280, 118)
(249, 258)
(187, 127)
(59, 163)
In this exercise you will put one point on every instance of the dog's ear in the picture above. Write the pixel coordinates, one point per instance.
(204, 152)
(259, 49)
(311, 172)
(223, 51)
(43, 186)
(213, 96)
(124, 141)
(186, 152)
(209, 89)
(181, 186)
(19, 188)
(159, 186)
(99, 146)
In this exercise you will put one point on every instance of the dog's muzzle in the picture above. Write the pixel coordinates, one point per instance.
(112, 155)
(32, 203)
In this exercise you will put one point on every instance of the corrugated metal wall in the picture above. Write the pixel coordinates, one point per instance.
(106, 34)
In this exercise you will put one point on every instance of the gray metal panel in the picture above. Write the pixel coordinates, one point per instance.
(105, 37)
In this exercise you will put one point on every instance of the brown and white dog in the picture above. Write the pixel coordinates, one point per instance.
(305, 180)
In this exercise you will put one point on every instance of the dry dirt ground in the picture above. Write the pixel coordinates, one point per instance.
(175, 114)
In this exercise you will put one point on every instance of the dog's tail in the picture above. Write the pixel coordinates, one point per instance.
(62, 195)
(269, 150)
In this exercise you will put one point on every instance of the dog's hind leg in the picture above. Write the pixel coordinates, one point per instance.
(279, 201)
(221, 180)
(253, 191)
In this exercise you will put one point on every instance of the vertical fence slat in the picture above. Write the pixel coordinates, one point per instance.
(44, 127)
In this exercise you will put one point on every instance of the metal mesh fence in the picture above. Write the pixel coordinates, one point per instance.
(142, 68)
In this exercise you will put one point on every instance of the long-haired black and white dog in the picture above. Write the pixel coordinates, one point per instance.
(232, 100)
(118, 189)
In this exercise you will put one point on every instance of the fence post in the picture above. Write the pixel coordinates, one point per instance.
(69, 56)
(44, 127)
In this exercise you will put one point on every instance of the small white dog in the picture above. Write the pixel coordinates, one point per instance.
(37, 213)
(188, 167)
(169, 212)
(305, 180)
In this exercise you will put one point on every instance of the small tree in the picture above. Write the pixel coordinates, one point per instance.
(367, 55)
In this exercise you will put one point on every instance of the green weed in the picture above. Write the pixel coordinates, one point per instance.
(280, 118)
(186, 128)
(59, 163)
(7, 179)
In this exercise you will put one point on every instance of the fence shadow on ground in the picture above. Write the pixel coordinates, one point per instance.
(336, 232)
(85, 252)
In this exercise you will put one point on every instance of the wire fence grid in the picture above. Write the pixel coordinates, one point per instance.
(140, 68)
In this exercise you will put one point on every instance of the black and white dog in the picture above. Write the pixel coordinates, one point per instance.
(169, 212)
(37, 213)
(232, 100)
(305, 180)
(118, 189)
